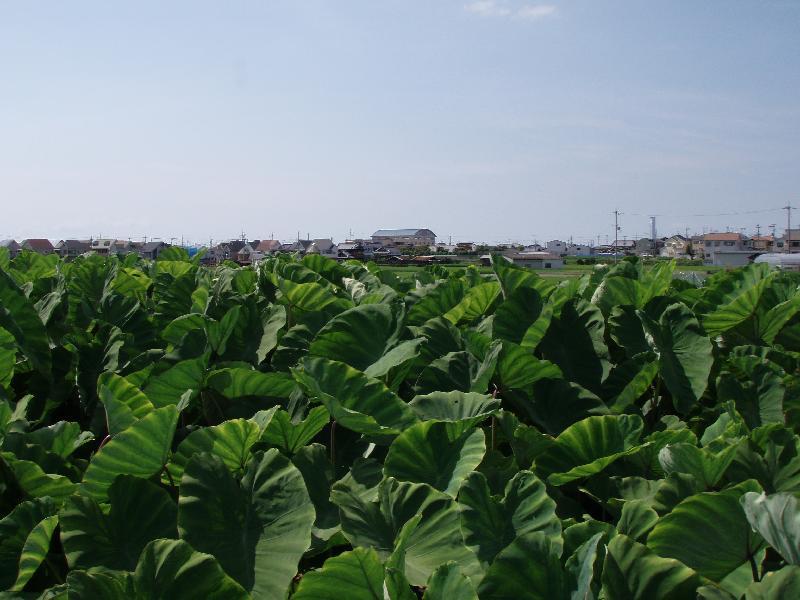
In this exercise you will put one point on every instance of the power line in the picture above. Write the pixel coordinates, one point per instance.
(725, 214)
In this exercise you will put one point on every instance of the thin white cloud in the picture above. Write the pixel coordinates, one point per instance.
(488, 8)
(534, 12)
(501, 8)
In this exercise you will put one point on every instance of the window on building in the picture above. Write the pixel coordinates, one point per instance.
(729, 243)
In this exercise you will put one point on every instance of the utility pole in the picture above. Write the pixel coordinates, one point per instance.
(758, 230)
(788, 242)
(616, 234)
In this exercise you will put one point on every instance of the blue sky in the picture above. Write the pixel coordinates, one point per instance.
(484, 120)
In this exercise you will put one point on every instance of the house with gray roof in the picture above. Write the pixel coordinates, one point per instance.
(72, 248)
(404, 237)
(12, 246)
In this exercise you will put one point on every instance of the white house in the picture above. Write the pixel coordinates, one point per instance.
(676, 246)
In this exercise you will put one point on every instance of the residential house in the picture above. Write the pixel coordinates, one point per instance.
(404, 237)
(104, 246)
(723, 242)
(534, 248)
(646, 247)
(557, 247)
(245, 255)
(323, 247)
(618, 248)
(40, 246)
(72, 248)
(793, 237)
(676, 246)
(350, 249)
(762, 243)
(727, 249)
(127, 246)
(465, 247)
(579, 250)
(226, 250)
(300, 246)
(12, 246)
(529, 260)
(151, 250)
(266, 247)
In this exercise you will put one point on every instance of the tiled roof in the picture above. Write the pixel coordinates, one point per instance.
(401, 232)
(38, 244)
(722, 237)
(268, 246)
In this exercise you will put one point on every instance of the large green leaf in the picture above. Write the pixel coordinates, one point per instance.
(8, 357)
(239, 382)
(314, 463)
(358, 336)
(621, 291)
(19, 317)
(514, 317)
(759, 398)
(61, 438)
(589, 446)
(575, 342)
(468, 408)
(632, 572)
(140, 512)
(777, 518)
(434, 300)
(19, 537)
(776, 585)
(476, 302)
(705, 465)
(629, 381)
(173, 570)
(377, 523)
(273, 321)
(34, 551)
(141, 450)
(528, 569)
(168, 387)
(684, 354)
(230, 441)
(34, 481)
(435, 453)
(708, 532)
(290, 436)
(490, 523)
(512, 277)
(558, 403)
(124, 402)
(257, 529)
(356, 401)
(739, 309)
(309, 296)
(449, 583)
(355, 575)
(771, 324)
(518, 368)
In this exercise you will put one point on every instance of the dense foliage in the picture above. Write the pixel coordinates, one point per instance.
(325, 430)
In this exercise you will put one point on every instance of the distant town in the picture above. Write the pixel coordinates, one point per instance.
(420, 245)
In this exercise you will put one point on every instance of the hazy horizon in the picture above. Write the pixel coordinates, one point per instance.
(481, 120)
